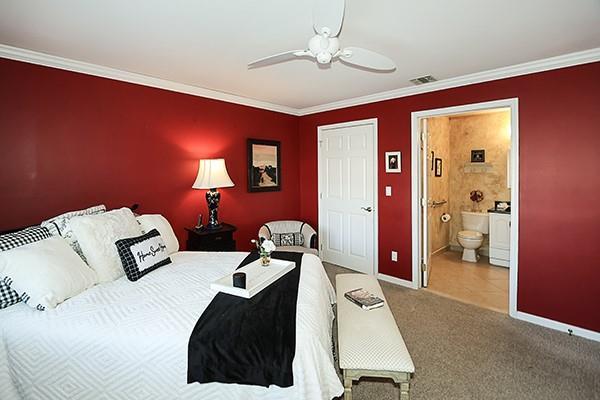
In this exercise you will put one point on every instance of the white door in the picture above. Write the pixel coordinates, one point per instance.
(347, 194)
(425, 251)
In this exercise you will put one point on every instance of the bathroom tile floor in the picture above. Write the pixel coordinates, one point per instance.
(480, 284)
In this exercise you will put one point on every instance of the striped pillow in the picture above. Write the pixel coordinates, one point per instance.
(61, 226)
(288, 239)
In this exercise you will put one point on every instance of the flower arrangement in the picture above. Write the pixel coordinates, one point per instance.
(476, 197)
(265, 248)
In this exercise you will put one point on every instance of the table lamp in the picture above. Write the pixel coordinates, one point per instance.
(212, 174)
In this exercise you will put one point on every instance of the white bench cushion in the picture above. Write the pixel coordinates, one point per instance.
(368, 339)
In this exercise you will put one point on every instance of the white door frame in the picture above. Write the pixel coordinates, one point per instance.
(416, 172)
(320, 130)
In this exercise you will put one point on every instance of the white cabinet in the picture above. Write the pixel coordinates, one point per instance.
(500, 239)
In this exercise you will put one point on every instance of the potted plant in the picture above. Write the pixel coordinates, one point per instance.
(265, 248)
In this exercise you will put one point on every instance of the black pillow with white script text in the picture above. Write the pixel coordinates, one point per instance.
(143, 254)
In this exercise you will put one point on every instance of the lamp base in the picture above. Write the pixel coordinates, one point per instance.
(212, 199)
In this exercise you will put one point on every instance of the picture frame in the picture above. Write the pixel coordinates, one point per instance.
(393, 162)
(438, 167)
(264, 165)
(432, 160)
(478, 156)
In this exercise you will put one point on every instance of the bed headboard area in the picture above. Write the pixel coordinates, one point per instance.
(132, 207)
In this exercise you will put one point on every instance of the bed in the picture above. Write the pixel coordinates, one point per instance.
(128, 340)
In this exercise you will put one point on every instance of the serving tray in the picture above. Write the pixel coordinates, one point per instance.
(257, 277)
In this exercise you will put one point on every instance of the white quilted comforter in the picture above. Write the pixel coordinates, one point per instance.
(128, 340)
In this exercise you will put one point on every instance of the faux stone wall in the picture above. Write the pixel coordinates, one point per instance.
(491, 132)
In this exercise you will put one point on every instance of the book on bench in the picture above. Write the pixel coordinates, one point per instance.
(364, 299)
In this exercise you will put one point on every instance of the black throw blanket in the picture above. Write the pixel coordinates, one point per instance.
(248, 341)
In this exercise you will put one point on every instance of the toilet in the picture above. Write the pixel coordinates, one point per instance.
(475, 225)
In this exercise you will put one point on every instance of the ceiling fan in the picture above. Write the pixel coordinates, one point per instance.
(324, 47)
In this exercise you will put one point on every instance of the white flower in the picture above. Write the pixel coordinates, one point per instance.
(268, 246)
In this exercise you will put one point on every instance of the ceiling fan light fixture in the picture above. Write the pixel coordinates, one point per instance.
(324, 47)
(324, 57)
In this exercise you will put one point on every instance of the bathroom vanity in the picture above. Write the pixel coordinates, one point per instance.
(499, 237)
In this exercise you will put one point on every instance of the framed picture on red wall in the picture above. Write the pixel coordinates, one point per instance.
(264, 165)
(393, 161)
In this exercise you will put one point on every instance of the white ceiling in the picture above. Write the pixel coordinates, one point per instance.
(207, 43)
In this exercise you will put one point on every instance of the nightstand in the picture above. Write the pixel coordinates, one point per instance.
(211, 240)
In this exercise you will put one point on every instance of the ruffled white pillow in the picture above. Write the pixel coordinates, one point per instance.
(46, 273)
(97, 235)
(162, 225)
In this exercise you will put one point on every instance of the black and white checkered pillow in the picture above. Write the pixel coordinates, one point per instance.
(288, 239)
(143, 254)
(8, 297)
(9, 241)
(23, 237)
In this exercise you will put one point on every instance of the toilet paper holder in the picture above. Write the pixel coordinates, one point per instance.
(435, 204)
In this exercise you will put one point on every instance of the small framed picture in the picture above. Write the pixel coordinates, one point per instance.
(478, 156)
(438, 167)
(432, 160)
(393, 161)
(264, 165)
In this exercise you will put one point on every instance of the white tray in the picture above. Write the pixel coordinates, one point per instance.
(257, 277)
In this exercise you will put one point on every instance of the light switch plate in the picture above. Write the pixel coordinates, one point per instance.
(388, 191)
(394, 256)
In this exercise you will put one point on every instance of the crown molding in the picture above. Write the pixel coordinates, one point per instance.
(566, 60)
(34, 57)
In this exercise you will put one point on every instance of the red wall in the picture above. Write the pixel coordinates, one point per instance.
(68, 141)
(559, 119)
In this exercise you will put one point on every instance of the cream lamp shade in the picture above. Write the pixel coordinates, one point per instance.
(212, 174)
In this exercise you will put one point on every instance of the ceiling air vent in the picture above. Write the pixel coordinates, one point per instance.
(423, 79)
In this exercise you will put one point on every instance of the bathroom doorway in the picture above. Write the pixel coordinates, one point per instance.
(465, 201)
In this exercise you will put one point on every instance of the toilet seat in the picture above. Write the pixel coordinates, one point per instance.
(470, 235)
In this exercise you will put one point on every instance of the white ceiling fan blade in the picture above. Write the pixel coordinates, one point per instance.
(329, 14)
(366, 59)
(277, 58)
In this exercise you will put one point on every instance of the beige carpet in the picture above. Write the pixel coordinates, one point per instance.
(465, 352)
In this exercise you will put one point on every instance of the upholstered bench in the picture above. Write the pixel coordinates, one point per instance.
(370, 344)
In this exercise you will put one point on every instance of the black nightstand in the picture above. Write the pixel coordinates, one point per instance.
(211, 240)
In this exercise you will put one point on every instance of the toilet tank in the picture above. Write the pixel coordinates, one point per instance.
(476, 221)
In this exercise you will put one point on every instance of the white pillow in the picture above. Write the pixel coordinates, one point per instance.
(46, 273)
(162, 225)
(97, 235)
(60, 225)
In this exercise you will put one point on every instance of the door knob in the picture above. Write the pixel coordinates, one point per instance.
(368, 209)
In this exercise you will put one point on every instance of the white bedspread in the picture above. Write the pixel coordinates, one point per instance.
(128, 340)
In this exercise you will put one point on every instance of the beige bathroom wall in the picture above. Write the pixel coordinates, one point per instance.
(491, 132)
(439, 142)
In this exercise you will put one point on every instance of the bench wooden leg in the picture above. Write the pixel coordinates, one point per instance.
(402, 379)
(404, 391)
(347, 389)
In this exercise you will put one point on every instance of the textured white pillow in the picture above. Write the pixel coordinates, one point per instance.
(46, 273)
(97, 235)
(162, 225)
